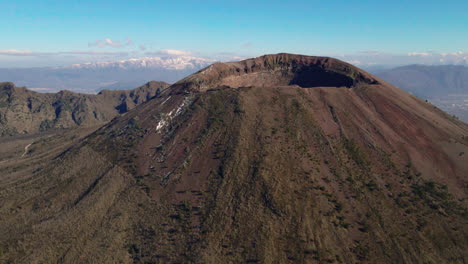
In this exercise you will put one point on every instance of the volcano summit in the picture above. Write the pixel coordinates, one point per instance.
(278, 159)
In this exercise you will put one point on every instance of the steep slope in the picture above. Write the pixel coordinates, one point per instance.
(278, 171)
(24, 111)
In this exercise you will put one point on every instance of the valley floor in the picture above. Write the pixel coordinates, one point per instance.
(21, 155)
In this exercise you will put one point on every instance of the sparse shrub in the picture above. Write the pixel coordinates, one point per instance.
(338, 207)
(437, 196)
(372, 186)
(355, 153)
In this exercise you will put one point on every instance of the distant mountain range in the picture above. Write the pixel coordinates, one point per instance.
(170, 63)
(92, 77)
(429, 81)
(445, 86)
(437, 84)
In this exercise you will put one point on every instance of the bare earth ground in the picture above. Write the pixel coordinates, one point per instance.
(272, 173)
(23, 154)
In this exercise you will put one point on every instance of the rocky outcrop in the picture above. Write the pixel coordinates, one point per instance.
(278, 70)
(23, 111)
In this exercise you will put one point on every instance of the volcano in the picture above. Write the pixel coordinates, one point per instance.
(277, 159)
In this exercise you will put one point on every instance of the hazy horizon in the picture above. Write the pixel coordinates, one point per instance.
(56, 33)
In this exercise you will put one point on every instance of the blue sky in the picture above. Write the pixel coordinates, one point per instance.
(45, 33)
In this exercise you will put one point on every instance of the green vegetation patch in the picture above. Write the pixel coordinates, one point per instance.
(437, 197)
(355, 153)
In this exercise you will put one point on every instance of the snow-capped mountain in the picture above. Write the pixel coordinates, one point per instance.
(94, 76)
(169, 63)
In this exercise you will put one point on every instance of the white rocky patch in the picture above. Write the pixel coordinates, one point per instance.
(161, 124)
(167, 118)
(166, 100)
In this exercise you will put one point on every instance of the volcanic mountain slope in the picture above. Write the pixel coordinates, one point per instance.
(24, 111)
(278, 159)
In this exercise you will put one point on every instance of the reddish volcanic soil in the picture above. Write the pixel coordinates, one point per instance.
(277, 159)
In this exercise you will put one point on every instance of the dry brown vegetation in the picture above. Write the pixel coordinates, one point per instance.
(264, 174)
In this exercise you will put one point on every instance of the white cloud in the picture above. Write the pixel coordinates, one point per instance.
(235, 58)
(173, 52)
(247, 45)
(107, 42)
(354, 62)
(94, 52)
(371, 52)
(128, 42)
(14, 52)
(422, 54)
(458, 53)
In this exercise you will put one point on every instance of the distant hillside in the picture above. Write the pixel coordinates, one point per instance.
(91, 77)
(23, 111)
(429, 81)
(445, 86)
